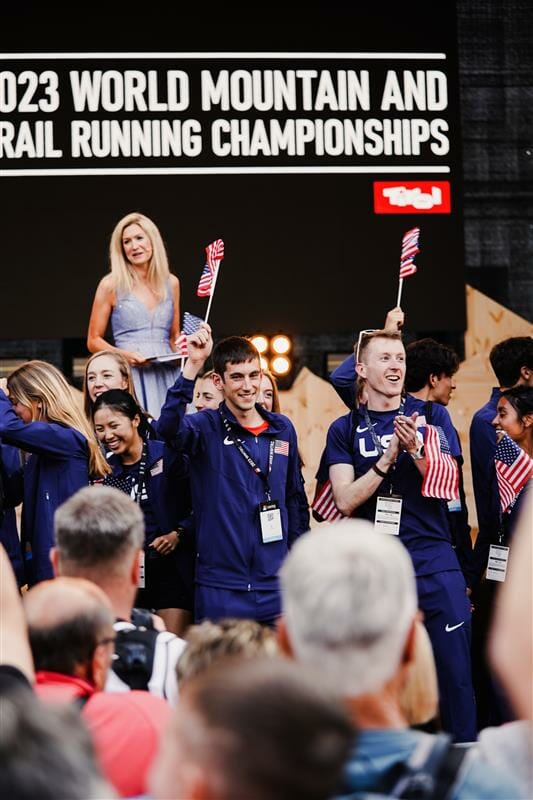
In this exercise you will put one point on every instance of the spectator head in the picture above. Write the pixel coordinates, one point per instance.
(99, 534)
(512, 361)
(261, 729)
(209, 641)
(46, 753)
(70, 627)
(349, 604)
(431, 365)
(419, 698)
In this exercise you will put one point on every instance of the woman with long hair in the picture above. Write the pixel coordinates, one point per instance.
(155, 476)
(268, 396)
(104, 370)
(514, 420)
(42, 416)
(141, 298)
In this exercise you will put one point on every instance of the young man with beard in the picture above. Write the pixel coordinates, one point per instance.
(377, 467)
(245, 480)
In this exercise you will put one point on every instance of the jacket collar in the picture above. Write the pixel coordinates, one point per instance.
(276, 424)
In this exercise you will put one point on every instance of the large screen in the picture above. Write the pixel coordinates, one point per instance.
(310, 163)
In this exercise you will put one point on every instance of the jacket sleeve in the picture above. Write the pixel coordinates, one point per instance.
(174, 425)
(343, 380)
(42, 438)
(486, 493)
(296, 497)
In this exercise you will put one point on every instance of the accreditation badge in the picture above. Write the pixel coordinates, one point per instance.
(388, 514)
(497, 563)
(270, 519)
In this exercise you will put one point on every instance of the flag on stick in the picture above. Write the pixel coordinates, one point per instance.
(324, 504)
(190, 325)
(442, 474)
(513, 470)
(407, 259)
(214, 255)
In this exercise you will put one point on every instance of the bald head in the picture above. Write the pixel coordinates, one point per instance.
(67, 619)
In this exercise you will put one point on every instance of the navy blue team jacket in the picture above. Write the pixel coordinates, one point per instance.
(226, 492)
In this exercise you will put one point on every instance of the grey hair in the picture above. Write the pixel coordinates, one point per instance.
(97, 528)
(349, 599)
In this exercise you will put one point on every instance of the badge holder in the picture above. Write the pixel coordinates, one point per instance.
(270, 519)
(388, 514)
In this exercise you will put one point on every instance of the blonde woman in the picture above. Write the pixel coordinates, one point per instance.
(42, 417)
(104, 370)
(141, 298)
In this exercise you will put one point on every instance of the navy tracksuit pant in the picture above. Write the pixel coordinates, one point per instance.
(447, 617)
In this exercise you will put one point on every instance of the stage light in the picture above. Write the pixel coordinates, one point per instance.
(280, 344)
(260, 342)
(263, 362)
(281, 365)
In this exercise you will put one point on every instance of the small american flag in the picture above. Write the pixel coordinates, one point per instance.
(442, 474)
(409, 251)
(281, 447)
(513, 470)
(206, 281)
(214, 254)
(324, 504)
(190, 325)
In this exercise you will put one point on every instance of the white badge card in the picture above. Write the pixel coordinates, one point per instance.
(388, 514)
(497, 564)
(270, 518)
(141, 582)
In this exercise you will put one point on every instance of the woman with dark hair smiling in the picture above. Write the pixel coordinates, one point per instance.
(154, 476)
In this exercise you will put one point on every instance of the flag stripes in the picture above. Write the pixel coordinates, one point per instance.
(324, 504)
(409, 251)
(442, 474)
(513, 470)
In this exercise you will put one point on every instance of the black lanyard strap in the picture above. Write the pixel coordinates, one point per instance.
(246, 455)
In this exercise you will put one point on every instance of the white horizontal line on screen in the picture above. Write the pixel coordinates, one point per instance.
(225, 55)
(38, 173)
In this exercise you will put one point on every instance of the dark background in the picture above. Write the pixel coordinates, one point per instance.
(67, 220)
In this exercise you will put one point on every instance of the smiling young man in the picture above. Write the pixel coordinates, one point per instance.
(245, 480)
(377, 467)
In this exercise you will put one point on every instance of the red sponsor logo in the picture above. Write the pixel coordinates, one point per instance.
(406, 197)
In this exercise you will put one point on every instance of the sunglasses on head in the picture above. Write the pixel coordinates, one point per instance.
(366, 332)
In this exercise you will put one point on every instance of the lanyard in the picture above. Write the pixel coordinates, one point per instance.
(248, 458)
(142, 470)
(375, 439)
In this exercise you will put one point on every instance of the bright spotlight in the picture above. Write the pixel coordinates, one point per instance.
(280, 344)
(260, 342)
(263, 362)
(280, 365)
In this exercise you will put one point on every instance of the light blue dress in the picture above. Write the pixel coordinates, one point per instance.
(136, 328)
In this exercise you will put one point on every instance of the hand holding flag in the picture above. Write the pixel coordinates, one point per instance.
(409, 250)
(190, 325)
(441, 479)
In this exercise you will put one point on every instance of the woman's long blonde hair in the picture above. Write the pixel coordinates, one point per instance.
(38, 382)
(125, 370)
(121, 269)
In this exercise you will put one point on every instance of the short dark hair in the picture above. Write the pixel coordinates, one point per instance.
(97, 527)
(46, 752)
(71, 642)
(521, 399)
(233, 350)
(286, 738)
(509, 356)
(426, 357)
